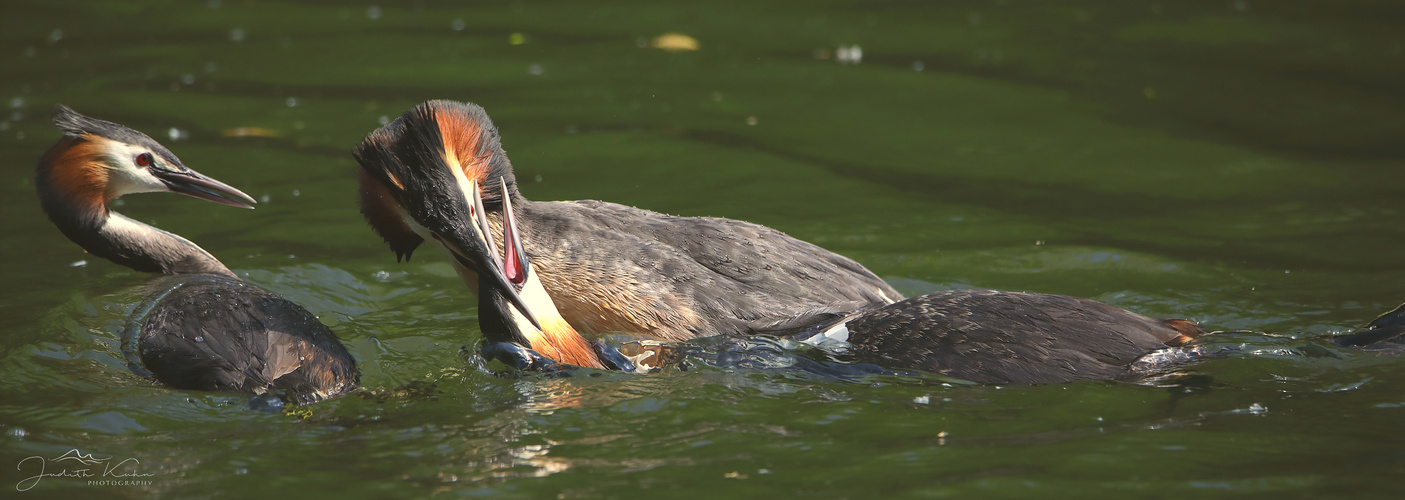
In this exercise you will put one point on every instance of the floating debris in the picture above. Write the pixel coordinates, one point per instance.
(250, 132)
(852, 54)
(674, 42)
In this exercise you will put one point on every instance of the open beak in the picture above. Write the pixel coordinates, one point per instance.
(515, 263)
(194, 184)
(477, 251)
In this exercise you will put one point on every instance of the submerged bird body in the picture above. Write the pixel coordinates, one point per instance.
(214, 333)
(994, 336)
(203, 328)
(613, 268)
(1385, 332)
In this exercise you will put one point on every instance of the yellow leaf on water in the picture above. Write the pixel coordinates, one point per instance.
(674, 42)
(250, 132)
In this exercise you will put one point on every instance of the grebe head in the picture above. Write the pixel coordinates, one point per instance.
(448, 134)
(98, 161)
(418, 191)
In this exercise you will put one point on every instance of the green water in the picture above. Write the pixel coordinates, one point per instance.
(1237, 163)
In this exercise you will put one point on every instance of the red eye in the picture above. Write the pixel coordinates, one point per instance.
(144, 160)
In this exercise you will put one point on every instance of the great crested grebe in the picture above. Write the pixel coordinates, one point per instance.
(986, 336)
(204, 329)
(432, 201)
(979, 335)
(613, 268)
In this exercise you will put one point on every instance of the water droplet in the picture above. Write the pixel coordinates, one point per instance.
(241, 471)
(17, 102)
(373, 12)
(535, 69)
(80, 263)
(200, 338)
(265, 198)
(177, 134)
(291, 101)
(922, 400)
(236, 35)
(19, 432)
(30, 51)
(918, 66)
(751, 120)
(4, 126)
(210, 67)
(458, 24)
(297, 192)
(381, 275)
(384, 119)
(55, 35)
(213, 4)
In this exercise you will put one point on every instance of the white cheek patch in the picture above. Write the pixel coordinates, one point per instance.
(124, 176)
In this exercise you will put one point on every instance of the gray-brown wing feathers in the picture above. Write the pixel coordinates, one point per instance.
(743, 276)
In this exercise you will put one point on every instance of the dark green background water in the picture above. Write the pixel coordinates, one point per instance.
(1234, 162)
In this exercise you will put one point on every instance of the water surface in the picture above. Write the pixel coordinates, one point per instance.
(1237, 163)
